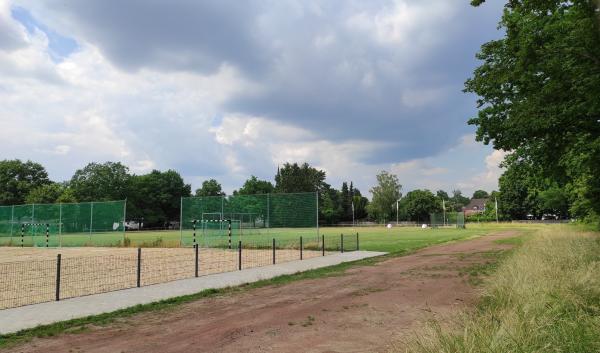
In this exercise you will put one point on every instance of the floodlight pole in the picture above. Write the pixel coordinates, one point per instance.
(317, 193)
(60, 225)
(444, 210)
(180, 221)
(12, 220)
(91, 217)
(496, 201)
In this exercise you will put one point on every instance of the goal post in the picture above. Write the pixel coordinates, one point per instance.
(447, 219)
(256, 217)
(84, 223)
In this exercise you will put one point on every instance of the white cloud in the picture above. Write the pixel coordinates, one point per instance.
(169, 100)
(404, 22)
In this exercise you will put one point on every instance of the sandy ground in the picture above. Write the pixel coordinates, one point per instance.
(28, 275)
(364, 310)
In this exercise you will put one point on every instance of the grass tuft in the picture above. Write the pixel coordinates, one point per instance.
(545, 297)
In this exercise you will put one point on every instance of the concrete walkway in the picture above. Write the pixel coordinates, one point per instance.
(16, 319)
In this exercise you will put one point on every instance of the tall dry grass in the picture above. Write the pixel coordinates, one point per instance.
(545, 297)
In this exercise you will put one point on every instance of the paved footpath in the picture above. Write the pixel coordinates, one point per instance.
(16, 319)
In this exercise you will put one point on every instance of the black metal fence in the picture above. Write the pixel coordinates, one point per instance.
(37, 281)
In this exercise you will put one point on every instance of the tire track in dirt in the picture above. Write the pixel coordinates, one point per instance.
(363, 310)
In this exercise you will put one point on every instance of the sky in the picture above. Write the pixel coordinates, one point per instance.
(226, 89)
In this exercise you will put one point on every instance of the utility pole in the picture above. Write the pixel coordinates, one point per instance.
(496, 201)
(353, 212)
(397, 201)
(444, 210)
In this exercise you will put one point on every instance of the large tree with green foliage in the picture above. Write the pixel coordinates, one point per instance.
(254, 186)
(156, 197)
(51, 193)
(480, 194)
(210, 187)
(539, 92)
(385, 195)
(101, 182)
(299, 178)
(419, 204)
(18, 178)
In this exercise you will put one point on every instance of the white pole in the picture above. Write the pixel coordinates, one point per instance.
(352, 213)
(181, 222)
(444, 210)
(397, 212)
(496, 200)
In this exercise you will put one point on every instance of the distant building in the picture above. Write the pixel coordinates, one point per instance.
(475, 206)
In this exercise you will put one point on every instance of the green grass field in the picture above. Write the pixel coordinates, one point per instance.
(397, 239)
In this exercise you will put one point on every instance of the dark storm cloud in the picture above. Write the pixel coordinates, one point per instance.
(317, 68)
(173, 35)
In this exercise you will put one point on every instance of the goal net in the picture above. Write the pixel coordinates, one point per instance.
(447, 219)
(67, 224)
(252, 217)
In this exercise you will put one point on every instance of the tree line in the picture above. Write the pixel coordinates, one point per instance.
(538, 91)
(155, 196)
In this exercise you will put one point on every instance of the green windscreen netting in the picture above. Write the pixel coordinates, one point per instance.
(67, 224)
(447, 219)
(285, 217)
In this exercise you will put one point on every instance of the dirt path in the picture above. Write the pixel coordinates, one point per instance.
(363, 310)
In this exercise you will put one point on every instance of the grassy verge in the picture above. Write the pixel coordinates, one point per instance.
(545, 297)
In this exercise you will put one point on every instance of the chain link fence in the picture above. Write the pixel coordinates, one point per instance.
(42, 280)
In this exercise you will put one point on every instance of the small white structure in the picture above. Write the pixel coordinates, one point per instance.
(424, 226)
(389, 226)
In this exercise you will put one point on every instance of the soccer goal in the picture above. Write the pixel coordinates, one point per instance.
(447, 219)
(66, 224)
(253, 217)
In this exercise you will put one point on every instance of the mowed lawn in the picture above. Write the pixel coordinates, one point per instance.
(396, 239)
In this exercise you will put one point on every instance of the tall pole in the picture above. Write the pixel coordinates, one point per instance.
(397, 201)
(12, 220)
(352, 213)
(60, 225)
(496, 201)
(91, 218)
(181, 222)
(124, 216)
(317, 193)
(444, 210)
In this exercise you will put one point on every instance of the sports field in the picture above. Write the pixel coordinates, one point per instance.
(371, 238)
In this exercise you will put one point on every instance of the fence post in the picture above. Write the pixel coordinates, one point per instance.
(229, 233)
(357, 248)
(58, 277)
(47, 233)
(139, 267)
(240, 255)
(300, 248)
(323, 243)
(196, 269)
(22, 234)
(342, 242)
(194, 234)
(273, 251)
